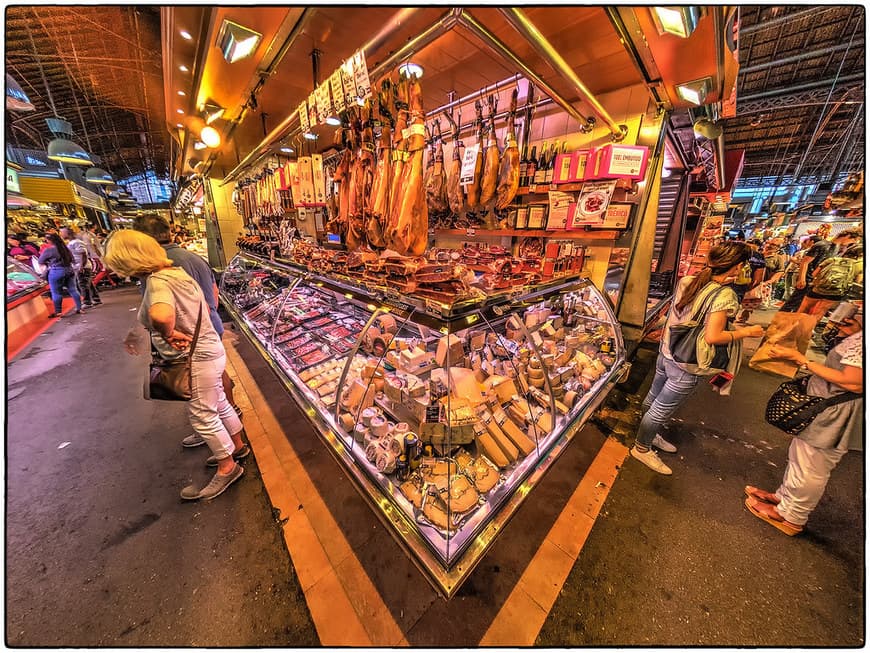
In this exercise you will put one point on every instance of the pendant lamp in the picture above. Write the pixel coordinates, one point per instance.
(98, 176)
(66, 151)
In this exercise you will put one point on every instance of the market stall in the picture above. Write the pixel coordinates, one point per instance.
(24, 302)
(444, 240)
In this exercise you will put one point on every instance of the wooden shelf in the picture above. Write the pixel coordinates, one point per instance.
(619, 194)
(597, 234)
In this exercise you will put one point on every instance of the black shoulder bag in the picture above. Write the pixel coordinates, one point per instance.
(169, 380)
(683, 338)
(791, 409)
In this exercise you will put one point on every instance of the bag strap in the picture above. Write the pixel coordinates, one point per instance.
(836, 400)
(707, 303)
(196, 331)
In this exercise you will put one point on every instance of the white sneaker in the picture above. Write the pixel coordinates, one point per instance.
(651, 459)
(663, 445)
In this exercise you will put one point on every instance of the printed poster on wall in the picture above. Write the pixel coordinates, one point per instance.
(592, 202)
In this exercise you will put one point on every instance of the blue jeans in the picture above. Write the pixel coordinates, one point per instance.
(58, 279)
(670, 388)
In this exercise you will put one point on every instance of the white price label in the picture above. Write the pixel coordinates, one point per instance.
(469, 162)
(361, 75)
(324, 108)
(302, 112)
(347, 82)
(337, 90)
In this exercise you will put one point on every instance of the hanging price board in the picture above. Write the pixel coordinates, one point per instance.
(324, 106)
(361, 75)
(337, 90)
(469, 163)
(347, 82)
(312, 110)
(302, 112)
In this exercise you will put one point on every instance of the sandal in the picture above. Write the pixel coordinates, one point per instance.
(768, 513)
(761, 495)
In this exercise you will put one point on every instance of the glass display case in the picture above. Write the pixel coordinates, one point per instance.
(444, 424)
(21, 281)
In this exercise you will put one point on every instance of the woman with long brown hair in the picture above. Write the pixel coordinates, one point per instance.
(708, 299)
(59, 260)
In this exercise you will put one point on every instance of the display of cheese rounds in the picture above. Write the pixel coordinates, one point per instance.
(570, 398)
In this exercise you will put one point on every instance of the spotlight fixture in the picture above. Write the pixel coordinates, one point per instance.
(695, 92)
(334, 121)
(311, 136)
(185, 35)
(410, 70)
(236, 42)
(183, 68)
(179, 111)
(210, 136)
(287, 150)
(679, 21)
(182, 93)
(179, 125)
(66, 151)
(211, 111)
(199, 145)
(98, 176)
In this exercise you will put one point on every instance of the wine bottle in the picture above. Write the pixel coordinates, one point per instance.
(531, 167)
(541, 167)
(551, 163)
(524, 163)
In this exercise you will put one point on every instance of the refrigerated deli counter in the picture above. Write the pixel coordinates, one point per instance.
(444, 419)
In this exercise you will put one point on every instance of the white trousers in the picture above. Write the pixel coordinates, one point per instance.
(805, 480)
(211, 415)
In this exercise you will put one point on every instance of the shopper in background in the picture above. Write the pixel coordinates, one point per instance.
(791, 268)
(59, 260)
(20, 249)
(774, 267)
(834, 277)
(748, 278)
(814, 256)
(170, 308)
(816, 450)
(674, 382)
(90, 294)
(158, 228)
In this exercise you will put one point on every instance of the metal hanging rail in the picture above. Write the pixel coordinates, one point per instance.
(513, 79)
(527, 29)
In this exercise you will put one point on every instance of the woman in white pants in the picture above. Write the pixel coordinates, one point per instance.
(816, 450)
(170, 307)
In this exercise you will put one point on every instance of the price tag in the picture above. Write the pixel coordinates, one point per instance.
(302, 112)
(337, 90)
(533, 188)
(361, 75)
(469, 162)
(470, 231)
(347, 82)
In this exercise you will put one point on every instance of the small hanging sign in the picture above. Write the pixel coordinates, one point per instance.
(361, 76)
(335, 86)
(302, 112)
(347, 82)
(324, 106)
(469, 163)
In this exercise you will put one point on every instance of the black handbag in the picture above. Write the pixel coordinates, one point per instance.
(683, 338)
(791, 409)
(169, 380)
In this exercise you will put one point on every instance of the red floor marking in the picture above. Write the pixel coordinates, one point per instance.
(19, 340)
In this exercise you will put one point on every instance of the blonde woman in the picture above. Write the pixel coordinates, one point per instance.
(171, 304)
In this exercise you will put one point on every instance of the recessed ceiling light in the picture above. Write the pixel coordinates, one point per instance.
(199, 145)
(182, 93)
(287, 150)
(236, 42)
(186, 35)
(411, 69)
(183, 68)
(179, 110)
(311, 136)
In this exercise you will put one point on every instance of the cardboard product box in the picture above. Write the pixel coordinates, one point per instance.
(537, 216)
(449, 351)
(318, 179)
(577, 170)
(617, 216)
(292, 168)
(613, 161)
(306, 180)
(562, 168)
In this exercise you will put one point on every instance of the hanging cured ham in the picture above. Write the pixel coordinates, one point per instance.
(489, 177)
(509, 171)
(473, 189)
(436, 182)
(400, 101)
(412, 222)
(455, 192)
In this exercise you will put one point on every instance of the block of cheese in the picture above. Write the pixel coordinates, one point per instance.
(487, 446)
(476, 340)
(449, 351)
(547, 330)
(508, 448)
(520, 439)
(504, 388)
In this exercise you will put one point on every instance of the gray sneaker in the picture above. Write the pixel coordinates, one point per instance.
(651, 459)
(239, 454)
(663, 445)
(192, 440)
(216, 485)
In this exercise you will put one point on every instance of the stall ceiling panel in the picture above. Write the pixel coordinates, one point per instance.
(102, 69)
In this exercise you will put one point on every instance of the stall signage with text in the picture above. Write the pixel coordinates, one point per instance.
(469, 162)
(592, 203)
(12, 181)
(302, 112)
